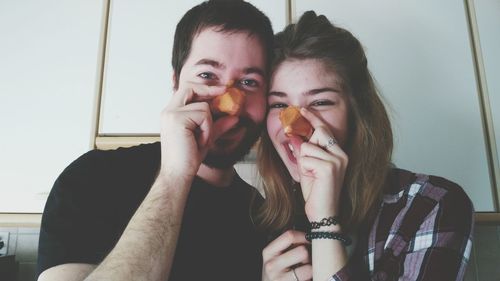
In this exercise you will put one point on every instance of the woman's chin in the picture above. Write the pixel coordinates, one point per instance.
(294, 173)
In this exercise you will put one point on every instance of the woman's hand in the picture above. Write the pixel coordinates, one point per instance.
(322, 166)
(287, 258)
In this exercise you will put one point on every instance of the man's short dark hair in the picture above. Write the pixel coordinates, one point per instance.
(228, 16)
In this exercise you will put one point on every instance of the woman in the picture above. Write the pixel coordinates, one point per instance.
(339, 185)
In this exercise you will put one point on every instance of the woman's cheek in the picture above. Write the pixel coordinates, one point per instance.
(273, 125)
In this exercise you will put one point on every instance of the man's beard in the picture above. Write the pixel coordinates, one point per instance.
(226, 159)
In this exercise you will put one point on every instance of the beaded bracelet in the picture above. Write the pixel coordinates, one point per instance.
(324, 222)
(346, 240)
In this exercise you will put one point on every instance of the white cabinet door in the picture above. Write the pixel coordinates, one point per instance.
(488, 23)
(138, 73)
(48, 70)
(419, 53)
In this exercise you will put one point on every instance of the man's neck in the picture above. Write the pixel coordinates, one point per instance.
(216, 177)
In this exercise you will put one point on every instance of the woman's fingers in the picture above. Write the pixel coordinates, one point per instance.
(285, 253)
(283, 242)
(303, 272)
(315, 120)
(282, 264)
(294, 256)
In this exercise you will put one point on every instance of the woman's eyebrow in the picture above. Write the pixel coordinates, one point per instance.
(307, 93)
(278, 94)
(320, 90)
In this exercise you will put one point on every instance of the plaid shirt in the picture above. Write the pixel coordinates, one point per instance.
(423, 231)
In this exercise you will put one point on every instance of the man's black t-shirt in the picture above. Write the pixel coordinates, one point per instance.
(94, 198)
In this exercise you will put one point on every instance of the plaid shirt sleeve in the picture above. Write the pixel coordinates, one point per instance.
(424, 232)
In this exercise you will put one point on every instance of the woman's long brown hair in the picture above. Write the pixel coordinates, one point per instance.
(369, 143)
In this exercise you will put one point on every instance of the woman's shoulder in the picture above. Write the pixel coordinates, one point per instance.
(403, 184)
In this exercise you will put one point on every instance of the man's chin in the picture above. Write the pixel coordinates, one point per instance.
(225, 159)
(233, 147)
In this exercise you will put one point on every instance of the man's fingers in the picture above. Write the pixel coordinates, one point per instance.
(193, 92)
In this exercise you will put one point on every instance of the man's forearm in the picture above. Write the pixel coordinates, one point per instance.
(146, 248)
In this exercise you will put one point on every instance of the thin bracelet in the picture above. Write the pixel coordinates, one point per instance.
(324, 222)
(346, 240)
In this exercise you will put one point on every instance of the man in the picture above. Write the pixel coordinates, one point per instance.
(173, 210)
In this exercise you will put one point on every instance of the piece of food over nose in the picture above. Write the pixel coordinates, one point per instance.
(294, 124)
(231, 102)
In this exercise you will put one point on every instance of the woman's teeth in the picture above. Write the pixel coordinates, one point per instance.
(290, 146)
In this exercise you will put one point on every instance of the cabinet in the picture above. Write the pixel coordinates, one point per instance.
(419, 53)
(48, 71)
(138, 71)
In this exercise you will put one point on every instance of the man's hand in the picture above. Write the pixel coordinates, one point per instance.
(188, 129)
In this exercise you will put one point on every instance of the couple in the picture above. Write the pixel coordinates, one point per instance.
(176, 210)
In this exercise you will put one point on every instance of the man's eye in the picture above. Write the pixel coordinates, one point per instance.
(278, 105)
(249, 83)
(207, 75)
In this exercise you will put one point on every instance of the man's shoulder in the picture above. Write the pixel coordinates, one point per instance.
(108, 161)
(101, 172)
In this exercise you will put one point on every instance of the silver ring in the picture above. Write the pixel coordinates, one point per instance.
(295, 275)
(330, 143)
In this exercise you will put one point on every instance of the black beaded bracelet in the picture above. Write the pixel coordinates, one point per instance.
(346, 240)
(324, 222)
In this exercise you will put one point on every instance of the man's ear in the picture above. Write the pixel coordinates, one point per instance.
(174, 80)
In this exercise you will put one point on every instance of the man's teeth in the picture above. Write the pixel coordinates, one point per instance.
(290, 146)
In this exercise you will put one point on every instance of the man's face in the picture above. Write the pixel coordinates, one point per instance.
(219, 58)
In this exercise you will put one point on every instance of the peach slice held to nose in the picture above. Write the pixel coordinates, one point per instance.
(231, 102)
(294, 124)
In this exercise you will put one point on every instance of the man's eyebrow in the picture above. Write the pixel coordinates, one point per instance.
(255, 70)
(210, 62)
(216, 64)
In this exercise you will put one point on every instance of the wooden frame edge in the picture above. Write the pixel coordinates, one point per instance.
(484, 103)
(20, 220)
(35, 219)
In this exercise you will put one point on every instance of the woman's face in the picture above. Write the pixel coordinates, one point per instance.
(305, 83)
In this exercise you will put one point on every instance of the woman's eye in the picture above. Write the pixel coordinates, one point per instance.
(322, 103)
(278, 105)
(207, 75)
(249, 83)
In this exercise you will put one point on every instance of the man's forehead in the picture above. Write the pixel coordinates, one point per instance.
(214, 47)
(219, 31)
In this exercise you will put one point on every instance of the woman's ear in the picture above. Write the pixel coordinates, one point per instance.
(174, 80)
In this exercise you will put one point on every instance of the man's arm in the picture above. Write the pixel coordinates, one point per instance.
(68, 272)
(146, 248)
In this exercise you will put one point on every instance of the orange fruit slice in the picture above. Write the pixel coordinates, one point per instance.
(231, 102)
(294, 123)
